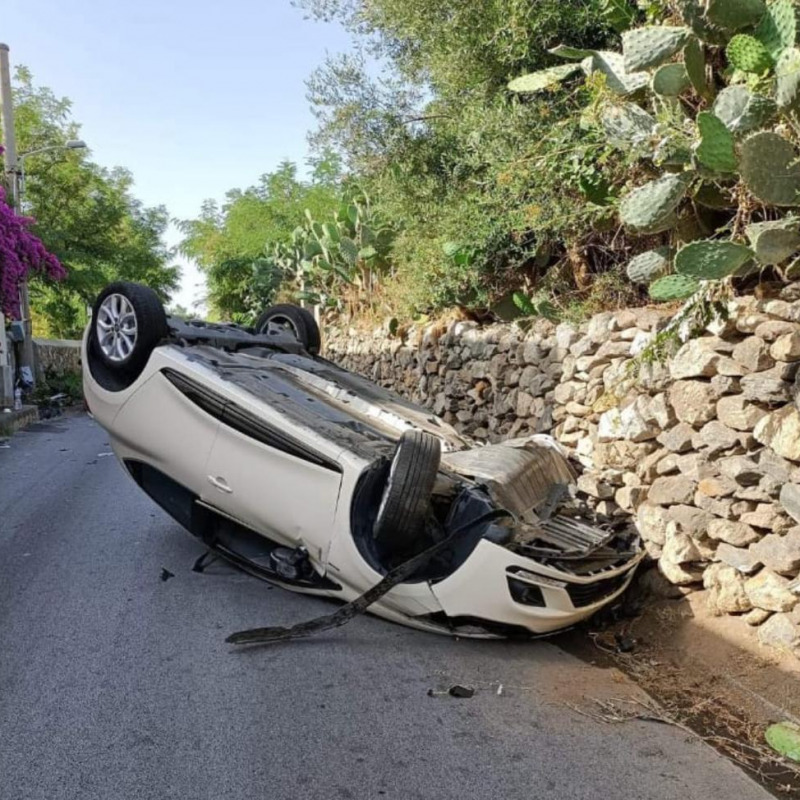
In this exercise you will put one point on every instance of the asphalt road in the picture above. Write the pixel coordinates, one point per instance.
(115, 684)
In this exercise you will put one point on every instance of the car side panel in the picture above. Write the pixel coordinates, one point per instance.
(287, 498)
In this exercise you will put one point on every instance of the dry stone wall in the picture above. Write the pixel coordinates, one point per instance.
(702, 451)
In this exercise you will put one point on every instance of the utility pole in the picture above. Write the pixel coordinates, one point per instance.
(10, 160)
(12, 175)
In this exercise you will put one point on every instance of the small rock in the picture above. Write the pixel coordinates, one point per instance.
(753, 354)
(774, 466)
(651, 522)
(667, 491)
(716, 438)
(736, 533)
(695, 359)
(677, 439)
(726, 590)
(680, 548)
(461, 691)
(786, 347)
(779, 553)
(767, 516)
(678, 574)
(737, 412)
(769, 591)
(790, 500)
(691, 520)
(693, 401)
(780, 632)
(767, 388)
(741, 469)
(722, 507)
(741, 559)
(756, 616)
(717, 487)
(774, 329)
(727, 367)
(724, 385)
(630, 497)
(591, 485)
(781, 431)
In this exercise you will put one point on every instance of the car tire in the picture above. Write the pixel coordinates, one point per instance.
(128, 322)
(298, 321)
(400, 525)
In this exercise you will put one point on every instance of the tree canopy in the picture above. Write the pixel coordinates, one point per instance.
(84, 214)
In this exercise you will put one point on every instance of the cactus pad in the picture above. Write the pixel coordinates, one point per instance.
(741, 111)
(748, 54)
(714, 196)
(570, 53)
(778, 27)
(670, 80)
(770, 170)
(673, 287)
(733, 15)
(709, 260)
(543, 79)
(646, 267)
(694, 59)
(650, 208)
(627, 125)
(787, 73)
(651, 46)
(773, 242)
(715, 149)
(612, 65)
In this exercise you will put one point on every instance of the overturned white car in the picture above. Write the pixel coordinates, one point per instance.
(313, 478)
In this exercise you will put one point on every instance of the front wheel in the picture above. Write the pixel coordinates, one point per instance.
(292, 319)
(128, 322)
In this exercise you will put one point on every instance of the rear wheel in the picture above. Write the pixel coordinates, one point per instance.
(128, 322)
(400, 524)
(298, 321)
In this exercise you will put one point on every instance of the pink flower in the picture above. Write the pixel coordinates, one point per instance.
(20, 254)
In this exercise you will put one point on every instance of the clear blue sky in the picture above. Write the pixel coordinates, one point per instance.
(194, 97)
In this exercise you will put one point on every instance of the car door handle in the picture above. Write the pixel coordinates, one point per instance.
(220, 483)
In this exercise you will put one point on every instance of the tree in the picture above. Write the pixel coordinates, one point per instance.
(86, 215)
(230, 242)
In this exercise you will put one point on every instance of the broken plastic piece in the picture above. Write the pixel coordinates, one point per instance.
(784, 737)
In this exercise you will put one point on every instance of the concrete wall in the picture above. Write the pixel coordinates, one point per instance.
(57, 356)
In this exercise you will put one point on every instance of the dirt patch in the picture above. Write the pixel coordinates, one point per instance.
(706, 674)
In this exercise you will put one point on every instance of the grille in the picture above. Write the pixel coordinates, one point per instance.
(589, 593)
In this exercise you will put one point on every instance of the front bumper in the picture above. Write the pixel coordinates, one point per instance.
(487, 586)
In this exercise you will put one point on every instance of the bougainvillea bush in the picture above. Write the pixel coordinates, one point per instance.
(21, 253)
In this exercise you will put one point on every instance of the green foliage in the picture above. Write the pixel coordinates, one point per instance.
(673, 287)
(85, 214)
(742, 111)
(775, 241)
(712, 260)
(778, 27)
(787, 79)
(647, 267)
(543, 79)
(733, 15)
(651, 46)
(715, 149)
(748, 54)
(671, 80)
(769, 166)
(233, 244)
(650, 208)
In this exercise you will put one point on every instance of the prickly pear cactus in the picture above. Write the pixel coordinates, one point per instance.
(612, 65)
(670, 80)
(711, 260)
(646, 267)
(733, 15)
(742, 111)
(627, 125)
(787, 79)
(775, 241)
(748, 54)
(349, 250)
(651, 208)
(652, 46)
(694, 58)
(769, 167)
(673, 287)
(778, 27)
(715, 149)
(543, 79)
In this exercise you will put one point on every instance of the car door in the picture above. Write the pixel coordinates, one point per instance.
(273, 481)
